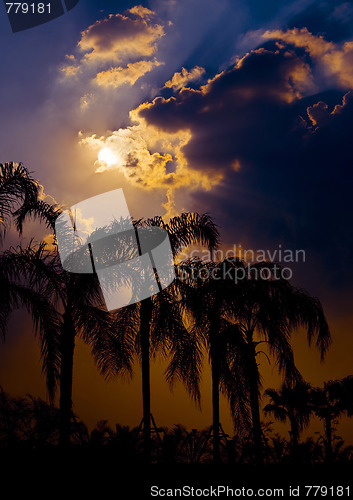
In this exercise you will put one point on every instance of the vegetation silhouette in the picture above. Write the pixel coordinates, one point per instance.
(30, 424)
(207, 309)
(156, 323)
(329, 402)
(62, 304)
(236, 316)
(207, 297)
(78, 311)
(292, 403)
(112, 349)
(19, 190)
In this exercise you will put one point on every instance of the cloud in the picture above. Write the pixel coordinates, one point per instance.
(148, 159)
(118, 52)
(43, 196)
(334, 61)
(114, 77)
(251, 146)
(280, 152)
(176, 144)
(180, 79)
(114, 52)
(317, 46)
(319, 113)
(223, 114)
(121, 37)
(142, 12)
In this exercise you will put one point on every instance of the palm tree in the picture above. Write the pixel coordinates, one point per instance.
(291, 402)
(254, 310)
(208, 299)
(268, 310)
(157, 322)
(79, 303)
(329, 403)
(79, 307)
(15, 292)
(278, 449)
(17, 189)
(157, 319)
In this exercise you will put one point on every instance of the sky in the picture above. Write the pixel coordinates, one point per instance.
(239, 109)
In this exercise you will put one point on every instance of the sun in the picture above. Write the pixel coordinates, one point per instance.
(107, 156)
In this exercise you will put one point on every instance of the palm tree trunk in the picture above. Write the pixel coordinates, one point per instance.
(66, 369)
(294, 438)
(328, 431)
(215, 403)
(254, 401)
(256, 423)
(145, 326)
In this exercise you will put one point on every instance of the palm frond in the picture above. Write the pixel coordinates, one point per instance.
(185, 360)
(46, 321)
(37, 209)
(17, 188)
(189, 228)
(113, 347)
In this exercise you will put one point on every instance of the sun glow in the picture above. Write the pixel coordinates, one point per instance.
(107, 156)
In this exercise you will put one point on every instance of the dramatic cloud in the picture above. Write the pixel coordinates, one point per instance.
(240, 103)
(255, 140)
(260, 127)
(149, 159)
(334, 61)
(180, 79)
(176, 144)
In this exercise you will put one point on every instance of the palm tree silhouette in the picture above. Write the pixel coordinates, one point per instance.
(157, 322)
(79, 304)
(241, 314)
(17, 189)
(208, 298)
(329, 403)
(268, 311)
(16, 289)
(292, 403)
